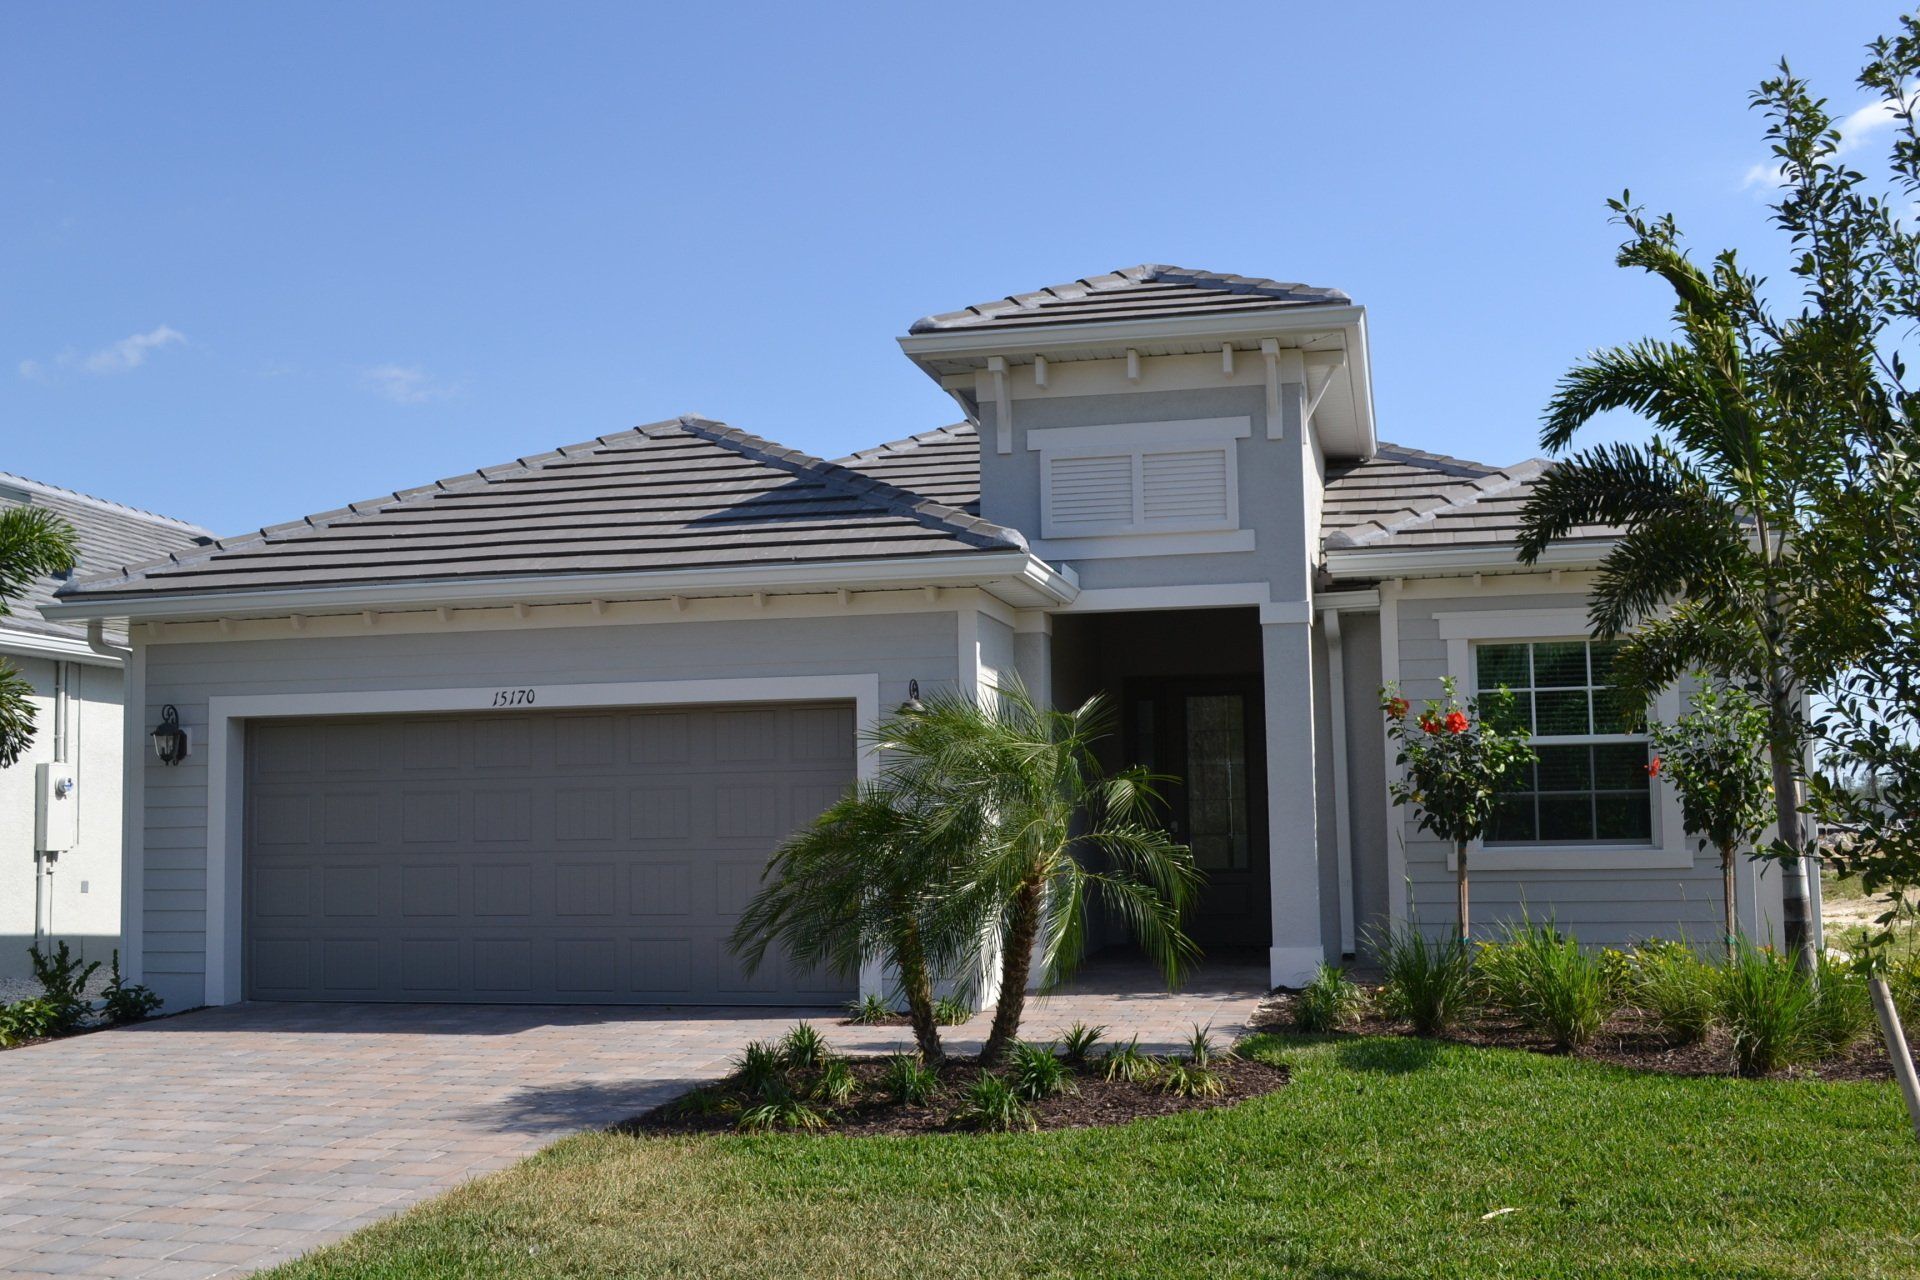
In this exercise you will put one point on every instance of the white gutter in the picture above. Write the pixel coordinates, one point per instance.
(97, 641)
(1052, 587)
(989, 339)
(28, 644)
(1411, 562)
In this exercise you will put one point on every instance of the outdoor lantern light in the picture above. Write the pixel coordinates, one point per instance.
(912, 706)
(169, 739)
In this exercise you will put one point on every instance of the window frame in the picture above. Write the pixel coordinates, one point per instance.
(1666, 850)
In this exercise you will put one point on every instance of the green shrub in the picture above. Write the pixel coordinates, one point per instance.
(868, 1011)
(1077, 1041)
(1428, 982)
(908, 1080)
(781, 1110)
(1903, 983)
(1201, 1049)
(1543, 978)
(1842, 1010)
(1189, 1080)
(993, 1105)
(31, 1019)
(1768, 1006)
(1617, 967)
(949, 1011)
(1677, 989)
(803, 1048)
(63, 980)
(1329, 1002)
(836, 1084)
(702, 1102)
(1035, 1072)
(759, 1067)
(1126, 1062)
(124, 1002)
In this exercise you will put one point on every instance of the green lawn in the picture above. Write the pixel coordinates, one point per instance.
(1378, 1161)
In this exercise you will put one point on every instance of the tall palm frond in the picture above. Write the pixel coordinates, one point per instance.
(34, 542)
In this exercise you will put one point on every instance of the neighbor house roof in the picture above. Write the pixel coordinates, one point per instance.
(1148, 292)
(109, 534)
(683, 494)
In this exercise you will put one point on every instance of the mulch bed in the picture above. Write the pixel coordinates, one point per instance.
(1098, 1101)
(1629, 1039)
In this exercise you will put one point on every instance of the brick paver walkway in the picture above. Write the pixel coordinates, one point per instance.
(228, 1139)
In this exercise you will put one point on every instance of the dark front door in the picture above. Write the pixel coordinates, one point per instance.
(1208, 734)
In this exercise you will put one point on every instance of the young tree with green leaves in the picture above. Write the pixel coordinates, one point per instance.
(1056, 827)
(34, 542)
(1457, 758)
(1725, 785)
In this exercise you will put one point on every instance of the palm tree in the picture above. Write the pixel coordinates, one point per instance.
(1706, 574)
(34, 542)
(871, 879)
(1029, 781)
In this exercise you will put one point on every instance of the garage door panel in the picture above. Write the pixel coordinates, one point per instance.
(538, 857)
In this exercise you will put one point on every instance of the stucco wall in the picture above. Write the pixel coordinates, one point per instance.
(897, 647)
(85, 886)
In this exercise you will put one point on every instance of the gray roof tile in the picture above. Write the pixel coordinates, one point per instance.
(687, 493)
(1144, 292)
(109, 534)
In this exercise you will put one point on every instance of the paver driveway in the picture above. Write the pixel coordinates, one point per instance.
(228, 1139)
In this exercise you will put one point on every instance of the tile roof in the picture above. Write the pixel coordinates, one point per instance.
(109, 534)
(682, 494)
(1400, 497)
(1147, 292)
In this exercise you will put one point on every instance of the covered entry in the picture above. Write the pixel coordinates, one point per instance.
(521, 856)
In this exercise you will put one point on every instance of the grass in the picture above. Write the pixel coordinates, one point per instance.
(1377, 1163)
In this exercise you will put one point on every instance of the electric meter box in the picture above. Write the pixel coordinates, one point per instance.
(56, 809)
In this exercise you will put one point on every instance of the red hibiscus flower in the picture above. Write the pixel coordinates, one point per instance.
(1397, 708)
(1429, 724)
(1653, 767)
(1456, 722)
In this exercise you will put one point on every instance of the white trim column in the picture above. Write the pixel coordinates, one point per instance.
(1286, 630)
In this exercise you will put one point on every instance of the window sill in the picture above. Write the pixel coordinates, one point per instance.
(1637, 857)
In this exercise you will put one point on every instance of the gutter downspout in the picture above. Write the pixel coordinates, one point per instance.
(98, 642)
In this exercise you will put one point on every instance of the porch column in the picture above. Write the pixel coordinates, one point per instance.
(1286, 630)
(1033, 653)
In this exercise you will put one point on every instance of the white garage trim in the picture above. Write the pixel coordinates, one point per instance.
(226, 757)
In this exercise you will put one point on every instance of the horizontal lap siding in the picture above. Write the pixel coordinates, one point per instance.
(1600, 905)
(899, 647)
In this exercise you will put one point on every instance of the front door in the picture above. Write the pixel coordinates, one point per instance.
(1208, 734)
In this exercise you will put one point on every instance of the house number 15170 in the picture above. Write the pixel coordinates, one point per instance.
(513, 697)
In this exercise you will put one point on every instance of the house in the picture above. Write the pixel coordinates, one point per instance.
(60, 802)
(529, 734)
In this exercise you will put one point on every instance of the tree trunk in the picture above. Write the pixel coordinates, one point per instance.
(1727, 894)
(1015, 963)
(1797, 899)
(1460, 883)
(1897, 1049)
(917, 984)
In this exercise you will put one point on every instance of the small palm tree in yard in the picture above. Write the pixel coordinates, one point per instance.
(1026, 781)
(33, 543)
(1457, 758)
(1714, 756)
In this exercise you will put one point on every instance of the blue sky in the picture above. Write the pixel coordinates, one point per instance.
(259, 261)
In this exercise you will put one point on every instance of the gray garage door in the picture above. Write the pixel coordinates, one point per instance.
(529, 857)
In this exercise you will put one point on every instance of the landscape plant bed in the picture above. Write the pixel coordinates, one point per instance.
(1629, 1039)
(1092, 1101)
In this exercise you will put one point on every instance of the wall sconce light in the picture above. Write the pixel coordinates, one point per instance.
(169, 739)
(912, 706)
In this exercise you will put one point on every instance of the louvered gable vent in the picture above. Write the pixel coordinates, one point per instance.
(1138, 478)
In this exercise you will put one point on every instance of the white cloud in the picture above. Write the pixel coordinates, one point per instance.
(406, 384)
(124, 356)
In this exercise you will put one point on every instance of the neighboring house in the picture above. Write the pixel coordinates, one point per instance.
(529, 734)
(60, 870)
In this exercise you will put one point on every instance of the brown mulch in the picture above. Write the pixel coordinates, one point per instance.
(1629, 1039)
(1096, 1101)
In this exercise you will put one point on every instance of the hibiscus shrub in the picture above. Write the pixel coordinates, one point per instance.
(1456, 758)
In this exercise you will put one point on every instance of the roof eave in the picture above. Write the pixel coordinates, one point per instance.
(1347, 563)
(1019, 577)
(29, 644)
